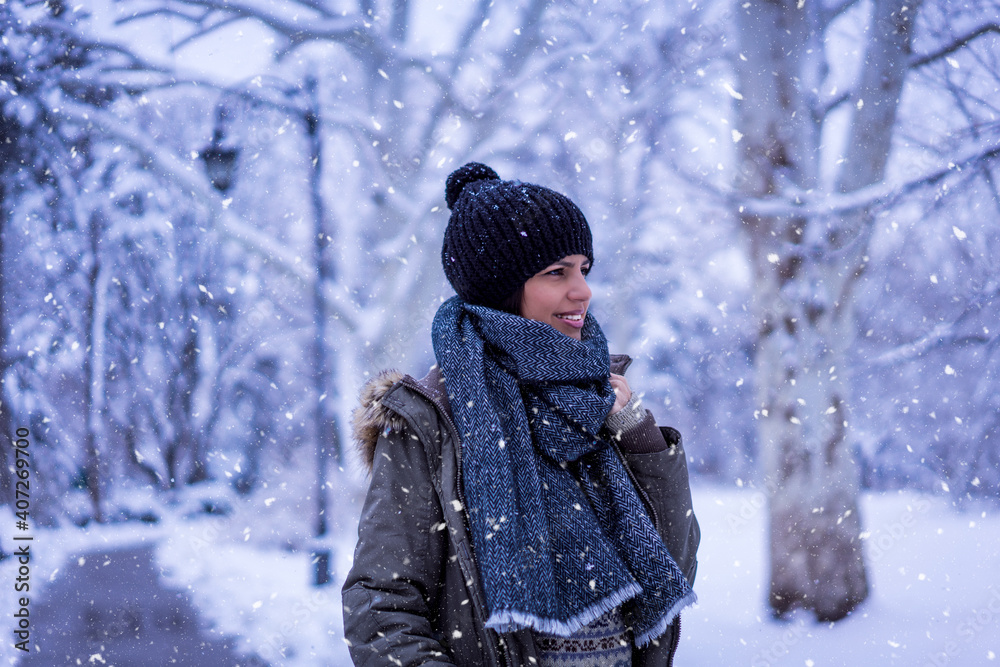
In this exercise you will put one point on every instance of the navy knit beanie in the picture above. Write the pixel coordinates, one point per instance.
(501, 233)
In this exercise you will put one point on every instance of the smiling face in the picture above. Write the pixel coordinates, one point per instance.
(559, 295)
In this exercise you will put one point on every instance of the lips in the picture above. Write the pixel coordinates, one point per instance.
(573, 319)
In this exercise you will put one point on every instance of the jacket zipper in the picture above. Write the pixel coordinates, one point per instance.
(674, 643)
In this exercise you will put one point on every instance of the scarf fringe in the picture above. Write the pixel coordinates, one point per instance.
(668, 618)
(509, 620)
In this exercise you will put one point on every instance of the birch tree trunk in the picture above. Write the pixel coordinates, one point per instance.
(805, 268)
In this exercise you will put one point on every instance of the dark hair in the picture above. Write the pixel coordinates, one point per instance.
(513, 303)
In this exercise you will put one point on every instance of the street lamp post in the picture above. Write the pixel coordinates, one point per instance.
(220, 162)
(327, 431)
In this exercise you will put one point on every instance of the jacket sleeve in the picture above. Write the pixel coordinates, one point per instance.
(391, 592)
(663, 475)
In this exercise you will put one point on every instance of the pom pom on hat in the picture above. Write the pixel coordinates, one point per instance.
(501, 233)
(470, 173)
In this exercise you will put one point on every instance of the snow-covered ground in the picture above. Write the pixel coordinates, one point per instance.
(935, 577)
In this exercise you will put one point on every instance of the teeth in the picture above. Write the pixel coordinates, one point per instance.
(575, 318)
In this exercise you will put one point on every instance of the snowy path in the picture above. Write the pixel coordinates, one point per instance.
(110, 607)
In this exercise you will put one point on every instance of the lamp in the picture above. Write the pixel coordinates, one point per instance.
(220, 162)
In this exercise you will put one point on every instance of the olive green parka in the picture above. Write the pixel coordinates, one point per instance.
(413, 595)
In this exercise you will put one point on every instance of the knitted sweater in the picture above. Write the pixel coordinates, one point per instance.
(604, 643)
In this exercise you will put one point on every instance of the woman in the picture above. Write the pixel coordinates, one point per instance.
(523, 508)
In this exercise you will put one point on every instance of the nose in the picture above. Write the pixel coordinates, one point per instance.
(579, 290)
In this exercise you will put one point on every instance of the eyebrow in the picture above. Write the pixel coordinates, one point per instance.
(563, 262)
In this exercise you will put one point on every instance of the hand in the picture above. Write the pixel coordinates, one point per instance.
(623, 393)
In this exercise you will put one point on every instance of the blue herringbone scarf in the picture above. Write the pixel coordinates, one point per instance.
(560, 533)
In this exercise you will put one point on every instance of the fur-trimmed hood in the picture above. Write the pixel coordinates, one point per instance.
(371, 418)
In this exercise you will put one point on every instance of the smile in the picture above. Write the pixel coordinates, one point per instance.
(574, 320)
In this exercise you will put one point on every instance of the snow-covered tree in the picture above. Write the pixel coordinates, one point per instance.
(110, 266)
(819, 92)
(52, 78)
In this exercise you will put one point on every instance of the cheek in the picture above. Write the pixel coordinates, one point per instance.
(537, 302)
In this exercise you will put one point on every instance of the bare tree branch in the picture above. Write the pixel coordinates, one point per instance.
(157, 12)
(961, 42)
(202, 31)
(809, 203)
(834, 102)
(298, 29)
(945, 334)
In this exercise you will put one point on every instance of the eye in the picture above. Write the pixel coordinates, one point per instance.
(555, 272)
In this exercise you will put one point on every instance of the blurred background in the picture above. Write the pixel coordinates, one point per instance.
(217, 220)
